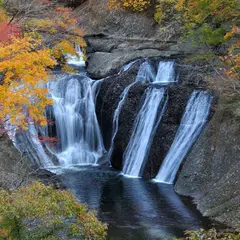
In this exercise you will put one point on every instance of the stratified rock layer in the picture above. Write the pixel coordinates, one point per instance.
(117, 37)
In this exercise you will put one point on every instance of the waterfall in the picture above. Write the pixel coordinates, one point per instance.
(78, 136)
(191, 125)
(144, 128)
(76, 60)
(76, 121)
(145, 73)
(116, 115)
(166, 73)
(148, 118)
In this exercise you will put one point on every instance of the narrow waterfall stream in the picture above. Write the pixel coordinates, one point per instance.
(116, 115)
(147, 119)
(166, 73)
(192, 123)
(144, 128)
(78, 59)
(145, 73)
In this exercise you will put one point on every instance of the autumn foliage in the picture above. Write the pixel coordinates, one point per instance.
(22, 93)
(8, 31)
(233, 58)
(58, 30)
(42, 212)
(214, 23)
(34, 37)
(134, 5)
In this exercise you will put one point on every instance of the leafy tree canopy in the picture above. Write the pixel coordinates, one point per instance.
(42, 212)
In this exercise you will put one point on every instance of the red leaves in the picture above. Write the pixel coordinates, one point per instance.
(8, 31)
(50, 140)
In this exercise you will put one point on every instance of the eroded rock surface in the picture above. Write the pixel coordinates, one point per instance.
(117, 37)
(211, 172)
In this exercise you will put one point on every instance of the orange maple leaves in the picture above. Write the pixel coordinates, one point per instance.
(25, 62)
(22, 92)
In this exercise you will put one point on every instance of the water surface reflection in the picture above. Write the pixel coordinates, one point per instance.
(133, 208)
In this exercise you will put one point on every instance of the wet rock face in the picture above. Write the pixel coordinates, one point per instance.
(109, 97)
(13, 166)
(211, 172)
(107, 101)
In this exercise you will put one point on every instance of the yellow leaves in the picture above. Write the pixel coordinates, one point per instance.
(3, 15)
(24, 65)
(24, 62)
(203, 11)
(62, 48)
(228, 35)
(134, 5)
(59, 31)
(232, 60)
(4, 233)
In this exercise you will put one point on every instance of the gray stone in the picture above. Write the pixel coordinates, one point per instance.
(115, 38)
(211, 172)
(15, 168)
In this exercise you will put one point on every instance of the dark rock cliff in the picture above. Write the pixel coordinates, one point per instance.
(109, 97)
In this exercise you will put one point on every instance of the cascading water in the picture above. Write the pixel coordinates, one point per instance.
(148, 119)
(192, 123)
(166, 73)
(76, 122)
(78, 136)
(145, 73)
(145, 126)
(76, 60)
(28, 141)
(116, 119)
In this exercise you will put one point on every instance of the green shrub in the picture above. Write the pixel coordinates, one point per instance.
(42, 212)
(211, 234)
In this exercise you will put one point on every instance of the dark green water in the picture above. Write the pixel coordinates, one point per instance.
(134, 209)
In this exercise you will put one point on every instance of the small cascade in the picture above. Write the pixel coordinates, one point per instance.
(166, 73)
(145, 73)
(76, 60)
(28, 142)
(144, 128)
(77, 128)
(192, 123)
(127, 66)
(116, 115)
